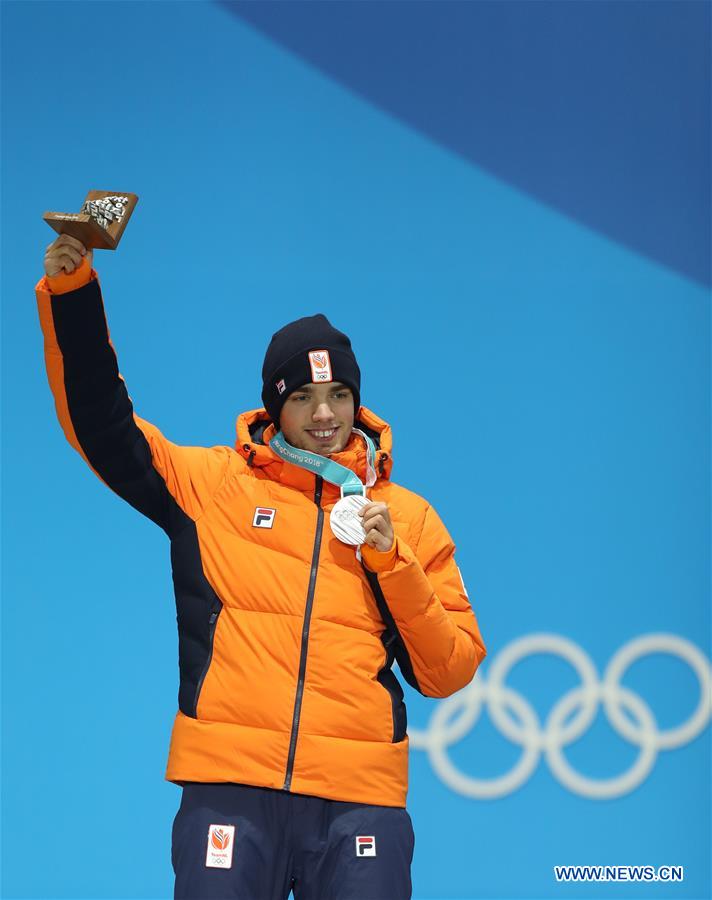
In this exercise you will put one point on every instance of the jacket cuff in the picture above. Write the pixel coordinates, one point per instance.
(62, 283)
(380, 560)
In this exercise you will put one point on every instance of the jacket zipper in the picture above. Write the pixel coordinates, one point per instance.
(212, 621)
(305, 632)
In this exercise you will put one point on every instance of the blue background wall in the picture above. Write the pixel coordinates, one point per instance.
(507, 207)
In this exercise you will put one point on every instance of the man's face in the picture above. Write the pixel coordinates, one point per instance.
(319, 417)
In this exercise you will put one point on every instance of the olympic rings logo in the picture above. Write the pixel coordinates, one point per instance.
(524, 728)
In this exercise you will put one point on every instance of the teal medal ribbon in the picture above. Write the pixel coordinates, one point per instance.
(331, 471)
(344, 519)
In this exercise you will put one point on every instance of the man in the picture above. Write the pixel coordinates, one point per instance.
(301, 572)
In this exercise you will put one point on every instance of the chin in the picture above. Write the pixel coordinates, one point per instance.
(326, 451)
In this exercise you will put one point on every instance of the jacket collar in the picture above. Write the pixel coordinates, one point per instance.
(255, 430)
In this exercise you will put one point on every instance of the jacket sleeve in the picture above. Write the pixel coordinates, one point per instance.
(163, 480)
(439, 637)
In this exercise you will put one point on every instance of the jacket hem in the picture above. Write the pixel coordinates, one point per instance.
(334, 768)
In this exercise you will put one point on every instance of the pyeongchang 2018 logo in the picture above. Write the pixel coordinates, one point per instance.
(454, 717)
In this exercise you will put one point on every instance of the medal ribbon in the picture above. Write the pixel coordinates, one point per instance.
(329, 469)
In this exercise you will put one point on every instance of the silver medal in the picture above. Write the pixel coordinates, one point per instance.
(345, 520)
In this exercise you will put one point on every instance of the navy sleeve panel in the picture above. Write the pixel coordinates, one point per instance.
(101, 411)
(394, 636)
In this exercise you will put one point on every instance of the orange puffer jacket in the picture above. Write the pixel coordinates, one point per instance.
(286, 637)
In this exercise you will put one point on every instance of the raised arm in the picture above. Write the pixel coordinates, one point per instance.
(163, 480)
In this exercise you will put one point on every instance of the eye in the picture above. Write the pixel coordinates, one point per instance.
(341, 395)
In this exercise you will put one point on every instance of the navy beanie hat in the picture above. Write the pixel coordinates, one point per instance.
(307, 351)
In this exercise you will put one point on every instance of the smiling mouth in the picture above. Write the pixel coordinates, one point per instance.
(323, 435)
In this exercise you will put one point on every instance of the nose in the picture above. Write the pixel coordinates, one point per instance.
(323, 413)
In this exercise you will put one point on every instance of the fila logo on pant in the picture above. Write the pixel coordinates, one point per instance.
(366, 845)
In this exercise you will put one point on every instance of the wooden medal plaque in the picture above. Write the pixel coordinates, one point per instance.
(100, 223)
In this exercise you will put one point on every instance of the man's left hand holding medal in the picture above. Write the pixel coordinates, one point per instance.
(377, 525)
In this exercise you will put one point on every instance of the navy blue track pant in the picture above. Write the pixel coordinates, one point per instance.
(252, 843)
